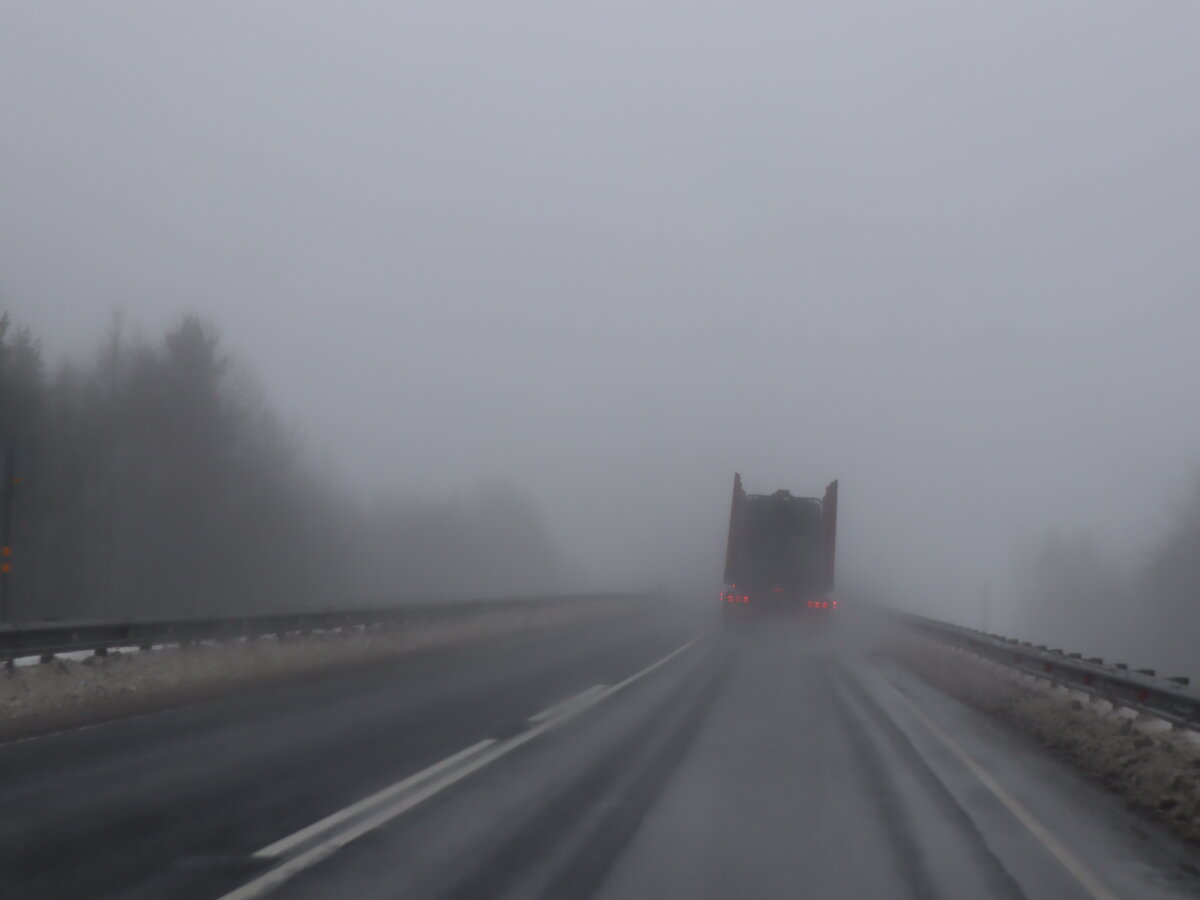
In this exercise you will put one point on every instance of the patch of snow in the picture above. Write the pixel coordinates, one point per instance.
(1152, 764)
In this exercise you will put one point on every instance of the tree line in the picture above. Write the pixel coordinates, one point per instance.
(1142, 609)
(155, 479)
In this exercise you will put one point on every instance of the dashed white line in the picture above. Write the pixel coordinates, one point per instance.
(558, 708)
(282, 846)
(417, 788)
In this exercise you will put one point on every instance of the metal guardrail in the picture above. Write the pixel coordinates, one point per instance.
(1171, 699)
(48, 639)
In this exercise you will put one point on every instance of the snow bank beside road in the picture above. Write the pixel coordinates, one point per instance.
(68, 692)
(1154, 767)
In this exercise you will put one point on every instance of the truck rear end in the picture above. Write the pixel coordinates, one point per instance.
(781, 551)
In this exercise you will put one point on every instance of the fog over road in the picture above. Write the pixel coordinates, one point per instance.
(610, 253)
(642, 757)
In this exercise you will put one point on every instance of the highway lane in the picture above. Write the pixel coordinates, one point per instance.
(173, 804)
(615, 760)
(779, 762)
(828, 773)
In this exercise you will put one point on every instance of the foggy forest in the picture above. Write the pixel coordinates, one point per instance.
(157, 480)
(451, 305)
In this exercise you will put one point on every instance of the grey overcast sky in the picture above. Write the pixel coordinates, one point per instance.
(946, 251)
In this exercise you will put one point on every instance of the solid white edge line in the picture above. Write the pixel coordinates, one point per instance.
(271, 879)
(283, 845)
(1088, 879)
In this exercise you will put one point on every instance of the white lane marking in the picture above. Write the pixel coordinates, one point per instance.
(1082, 874)
(551, 711)
(283, 845)
(272, 879)
(621, 685)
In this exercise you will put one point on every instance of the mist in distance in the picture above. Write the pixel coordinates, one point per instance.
(600, 256)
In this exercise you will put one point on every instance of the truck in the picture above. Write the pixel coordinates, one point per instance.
(781, 551)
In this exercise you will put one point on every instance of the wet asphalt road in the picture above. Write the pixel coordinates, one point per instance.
(644, 757)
